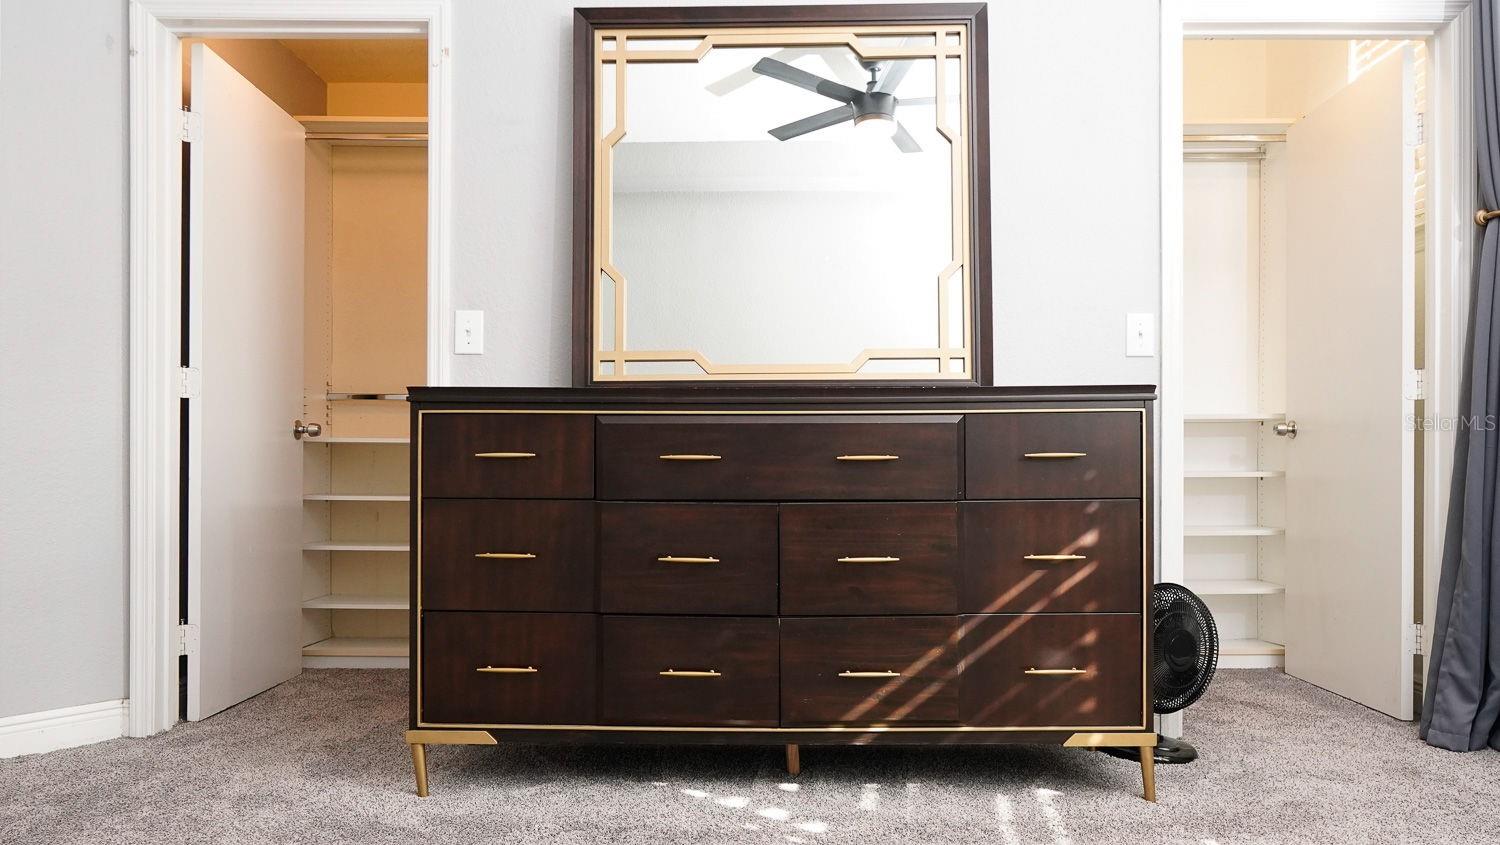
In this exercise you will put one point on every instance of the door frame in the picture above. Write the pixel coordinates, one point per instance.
(155, 276)
(1451, 200)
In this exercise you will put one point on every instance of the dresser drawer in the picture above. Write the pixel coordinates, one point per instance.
(1053, 671)
(866, 670)
(688, 670)
(1056, 556)
(687, 558)
(507, 555)
(780, 458)
(508, 668)
(869, 558)
(519, 456)
(1079, 455)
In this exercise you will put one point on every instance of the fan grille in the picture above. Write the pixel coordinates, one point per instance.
(1185, 647)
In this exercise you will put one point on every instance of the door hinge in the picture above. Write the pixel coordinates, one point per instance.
(1416, 638)
(1421, 128)
(187, 639)
(192, 126)
(189, 382)
(1414, 385)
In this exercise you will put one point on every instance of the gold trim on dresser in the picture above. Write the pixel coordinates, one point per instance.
(417, 553)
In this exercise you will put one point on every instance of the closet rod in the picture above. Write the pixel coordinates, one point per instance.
(1247, 156)
(364, 397)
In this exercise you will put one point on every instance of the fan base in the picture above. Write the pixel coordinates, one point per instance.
(1168, 750)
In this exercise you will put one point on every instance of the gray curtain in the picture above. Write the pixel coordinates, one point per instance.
(1462, 697)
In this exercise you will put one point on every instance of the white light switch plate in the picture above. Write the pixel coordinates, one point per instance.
(468, 332)
(1140, 335)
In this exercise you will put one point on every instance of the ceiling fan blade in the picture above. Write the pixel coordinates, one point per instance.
(802, 79)
(745, 76)
(904, 141)
(891, 74)
(812, 123)
(916, 101)
(839, 60)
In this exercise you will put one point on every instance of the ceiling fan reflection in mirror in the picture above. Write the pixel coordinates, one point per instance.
(873, 109)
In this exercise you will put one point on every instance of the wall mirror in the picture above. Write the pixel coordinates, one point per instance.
(784, 193)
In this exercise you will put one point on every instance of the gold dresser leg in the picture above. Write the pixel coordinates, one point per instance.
(793, 759)
(419, 763)
(1148, 772)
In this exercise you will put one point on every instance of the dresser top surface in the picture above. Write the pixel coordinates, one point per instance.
(803, 396)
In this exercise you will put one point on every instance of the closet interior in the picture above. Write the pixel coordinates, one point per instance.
(362, 103)
(1242, 98)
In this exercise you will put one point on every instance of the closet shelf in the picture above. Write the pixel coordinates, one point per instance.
(1233, 473)
(1235, 417)
(1250, 648)
(369, 441)
(362, 125)
(1260, 126)
(1232, 531)
(354, 546)
(358, 647)
(353, 497)
(1234, 587)
(334, 601)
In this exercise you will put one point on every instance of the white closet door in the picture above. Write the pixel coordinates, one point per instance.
(1350, 339)
(245, 213)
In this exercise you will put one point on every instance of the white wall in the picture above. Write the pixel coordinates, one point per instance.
(62, 353)
(1075, 206)
(1074, 179)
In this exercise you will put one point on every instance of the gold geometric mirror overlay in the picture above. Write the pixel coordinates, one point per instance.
(787, 203)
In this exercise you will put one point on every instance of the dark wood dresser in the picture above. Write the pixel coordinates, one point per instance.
(797, 566)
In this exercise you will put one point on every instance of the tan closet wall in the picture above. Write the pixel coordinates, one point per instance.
(366, 282)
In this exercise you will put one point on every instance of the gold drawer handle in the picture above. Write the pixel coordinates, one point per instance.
(868, 458)
(1053, 456)
(691, 457)
(1056, 558)
(508, 670)
(503, 455)
(851, 673)
(506, 556)
(869, 559)
(1074, 671)
(688, 673)
(676, 559)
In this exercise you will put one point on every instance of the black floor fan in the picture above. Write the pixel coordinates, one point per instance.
(1185, 651)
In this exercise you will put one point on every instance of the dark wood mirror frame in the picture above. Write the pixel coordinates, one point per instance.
(972, 15)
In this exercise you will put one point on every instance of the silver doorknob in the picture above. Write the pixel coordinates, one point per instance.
(1287, 429)
(299, 428)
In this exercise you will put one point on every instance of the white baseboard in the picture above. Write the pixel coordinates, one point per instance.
(66, 727)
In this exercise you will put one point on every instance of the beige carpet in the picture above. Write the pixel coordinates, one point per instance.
(320, 760)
